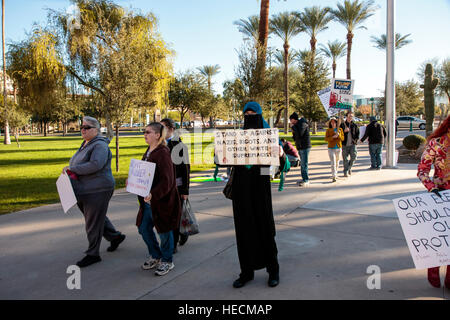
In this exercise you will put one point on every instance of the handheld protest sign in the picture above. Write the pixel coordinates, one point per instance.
(425, 220)
(65, 192)
(140, 177)
(247, 147)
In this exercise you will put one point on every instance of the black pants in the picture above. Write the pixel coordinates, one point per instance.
(94, 207)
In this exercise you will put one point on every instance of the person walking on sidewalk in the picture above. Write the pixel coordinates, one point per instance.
(161, 208)
(180, 158)
(93, 183)
(437, 155)
(376, 133)
(334, 136)
(351, 137)
(302, 138)
(252, 211)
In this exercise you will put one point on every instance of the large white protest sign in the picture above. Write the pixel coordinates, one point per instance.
(247, 147)
(341, 96)
(65, 191)
(425, 220)
(324, 96)
(140, 177)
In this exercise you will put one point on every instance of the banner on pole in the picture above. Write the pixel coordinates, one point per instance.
(140, 177)
(425, 220)
(247, 147)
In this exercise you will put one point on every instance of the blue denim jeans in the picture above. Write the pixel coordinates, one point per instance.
(304, 153)
(375, 155)
(163, 251)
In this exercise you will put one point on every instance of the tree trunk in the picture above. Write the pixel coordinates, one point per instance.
(278, 117)
(16, 136)
(7, 138)
(313, 42)
(117, 147)
(314, 131)
(286, 87)
(109, 128)
(334, 70)
(349, 53)
(263, 33)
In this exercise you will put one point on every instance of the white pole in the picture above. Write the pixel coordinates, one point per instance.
(390, 84)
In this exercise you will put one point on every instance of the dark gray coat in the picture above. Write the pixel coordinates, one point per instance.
(92, 165)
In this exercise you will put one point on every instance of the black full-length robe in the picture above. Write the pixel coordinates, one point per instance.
(253, 219)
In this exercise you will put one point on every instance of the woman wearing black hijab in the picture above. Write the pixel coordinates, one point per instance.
(253, 214)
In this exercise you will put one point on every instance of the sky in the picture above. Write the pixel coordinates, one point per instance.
(201, 32)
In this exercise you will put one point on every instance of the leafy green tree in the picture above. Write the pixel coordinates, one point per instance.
(400, 41)
(17, 117)
(314, 78)
(37, 68)
(235, 96)
(286, 25)
(408, 98)
(334, 51)
(444, 78)
(187, 93)
(352, 15)
(119, 54)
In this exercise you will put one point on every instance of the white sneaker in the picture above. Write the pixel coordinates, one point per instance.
(150, 264)
(164, 268)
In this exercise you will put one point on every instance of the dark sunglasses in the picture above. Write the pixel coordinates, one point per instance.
(147, 132)
(86, 127)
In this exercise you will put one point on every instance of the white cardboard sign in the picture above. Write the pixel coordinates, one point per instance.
(65, 191)
(140, 177)
(247, 147)
(425, 220)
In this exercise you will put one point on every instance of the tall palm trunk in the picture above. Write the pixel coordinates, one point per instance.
(313, 43)
(262, 42)
(349, 54)
(286, 86)
(334, 69)
(7, 139)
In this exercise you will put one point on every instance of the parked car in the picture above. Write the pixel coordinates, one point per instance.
(103, 130)
(405, 122)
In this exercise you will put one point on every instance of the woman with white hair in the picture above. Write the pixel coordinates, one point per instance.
(93, 183)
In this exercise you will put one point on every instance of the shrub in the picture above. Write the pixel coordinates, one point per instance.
(413, 142)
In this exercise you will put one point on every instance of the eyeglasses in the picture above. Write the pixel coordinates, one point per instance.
(148, 132)
(86, 127)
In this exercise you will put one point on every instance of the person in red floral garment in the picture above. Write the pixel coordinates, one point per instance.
(437, 154)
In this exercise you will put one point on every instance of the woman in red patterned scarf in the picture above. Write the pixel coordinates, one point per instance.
(437, 154)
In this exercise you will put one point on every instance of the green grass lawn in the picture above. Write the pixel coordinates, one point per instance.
(28, 174)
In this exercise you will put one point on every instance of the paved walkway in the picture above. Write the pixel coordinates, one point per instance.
(327, 234)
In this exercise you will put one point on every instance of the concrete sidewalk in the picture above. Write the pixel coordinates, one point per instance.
(328, 234)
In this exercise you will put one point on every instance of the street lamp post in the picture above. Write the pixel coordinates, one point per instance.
(390, 85)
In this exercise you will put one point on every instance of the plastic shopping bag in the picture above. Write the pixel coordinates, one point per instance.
(188, 223)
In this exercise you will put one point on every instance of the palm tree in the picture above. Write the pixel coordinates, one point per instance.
(263, 34)
(352, 15)
(280, 58)
(7, 139)
(334, 50)
(249, 27)
(286, 25)
(208, 71)
(400, 41)
(314, 20)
